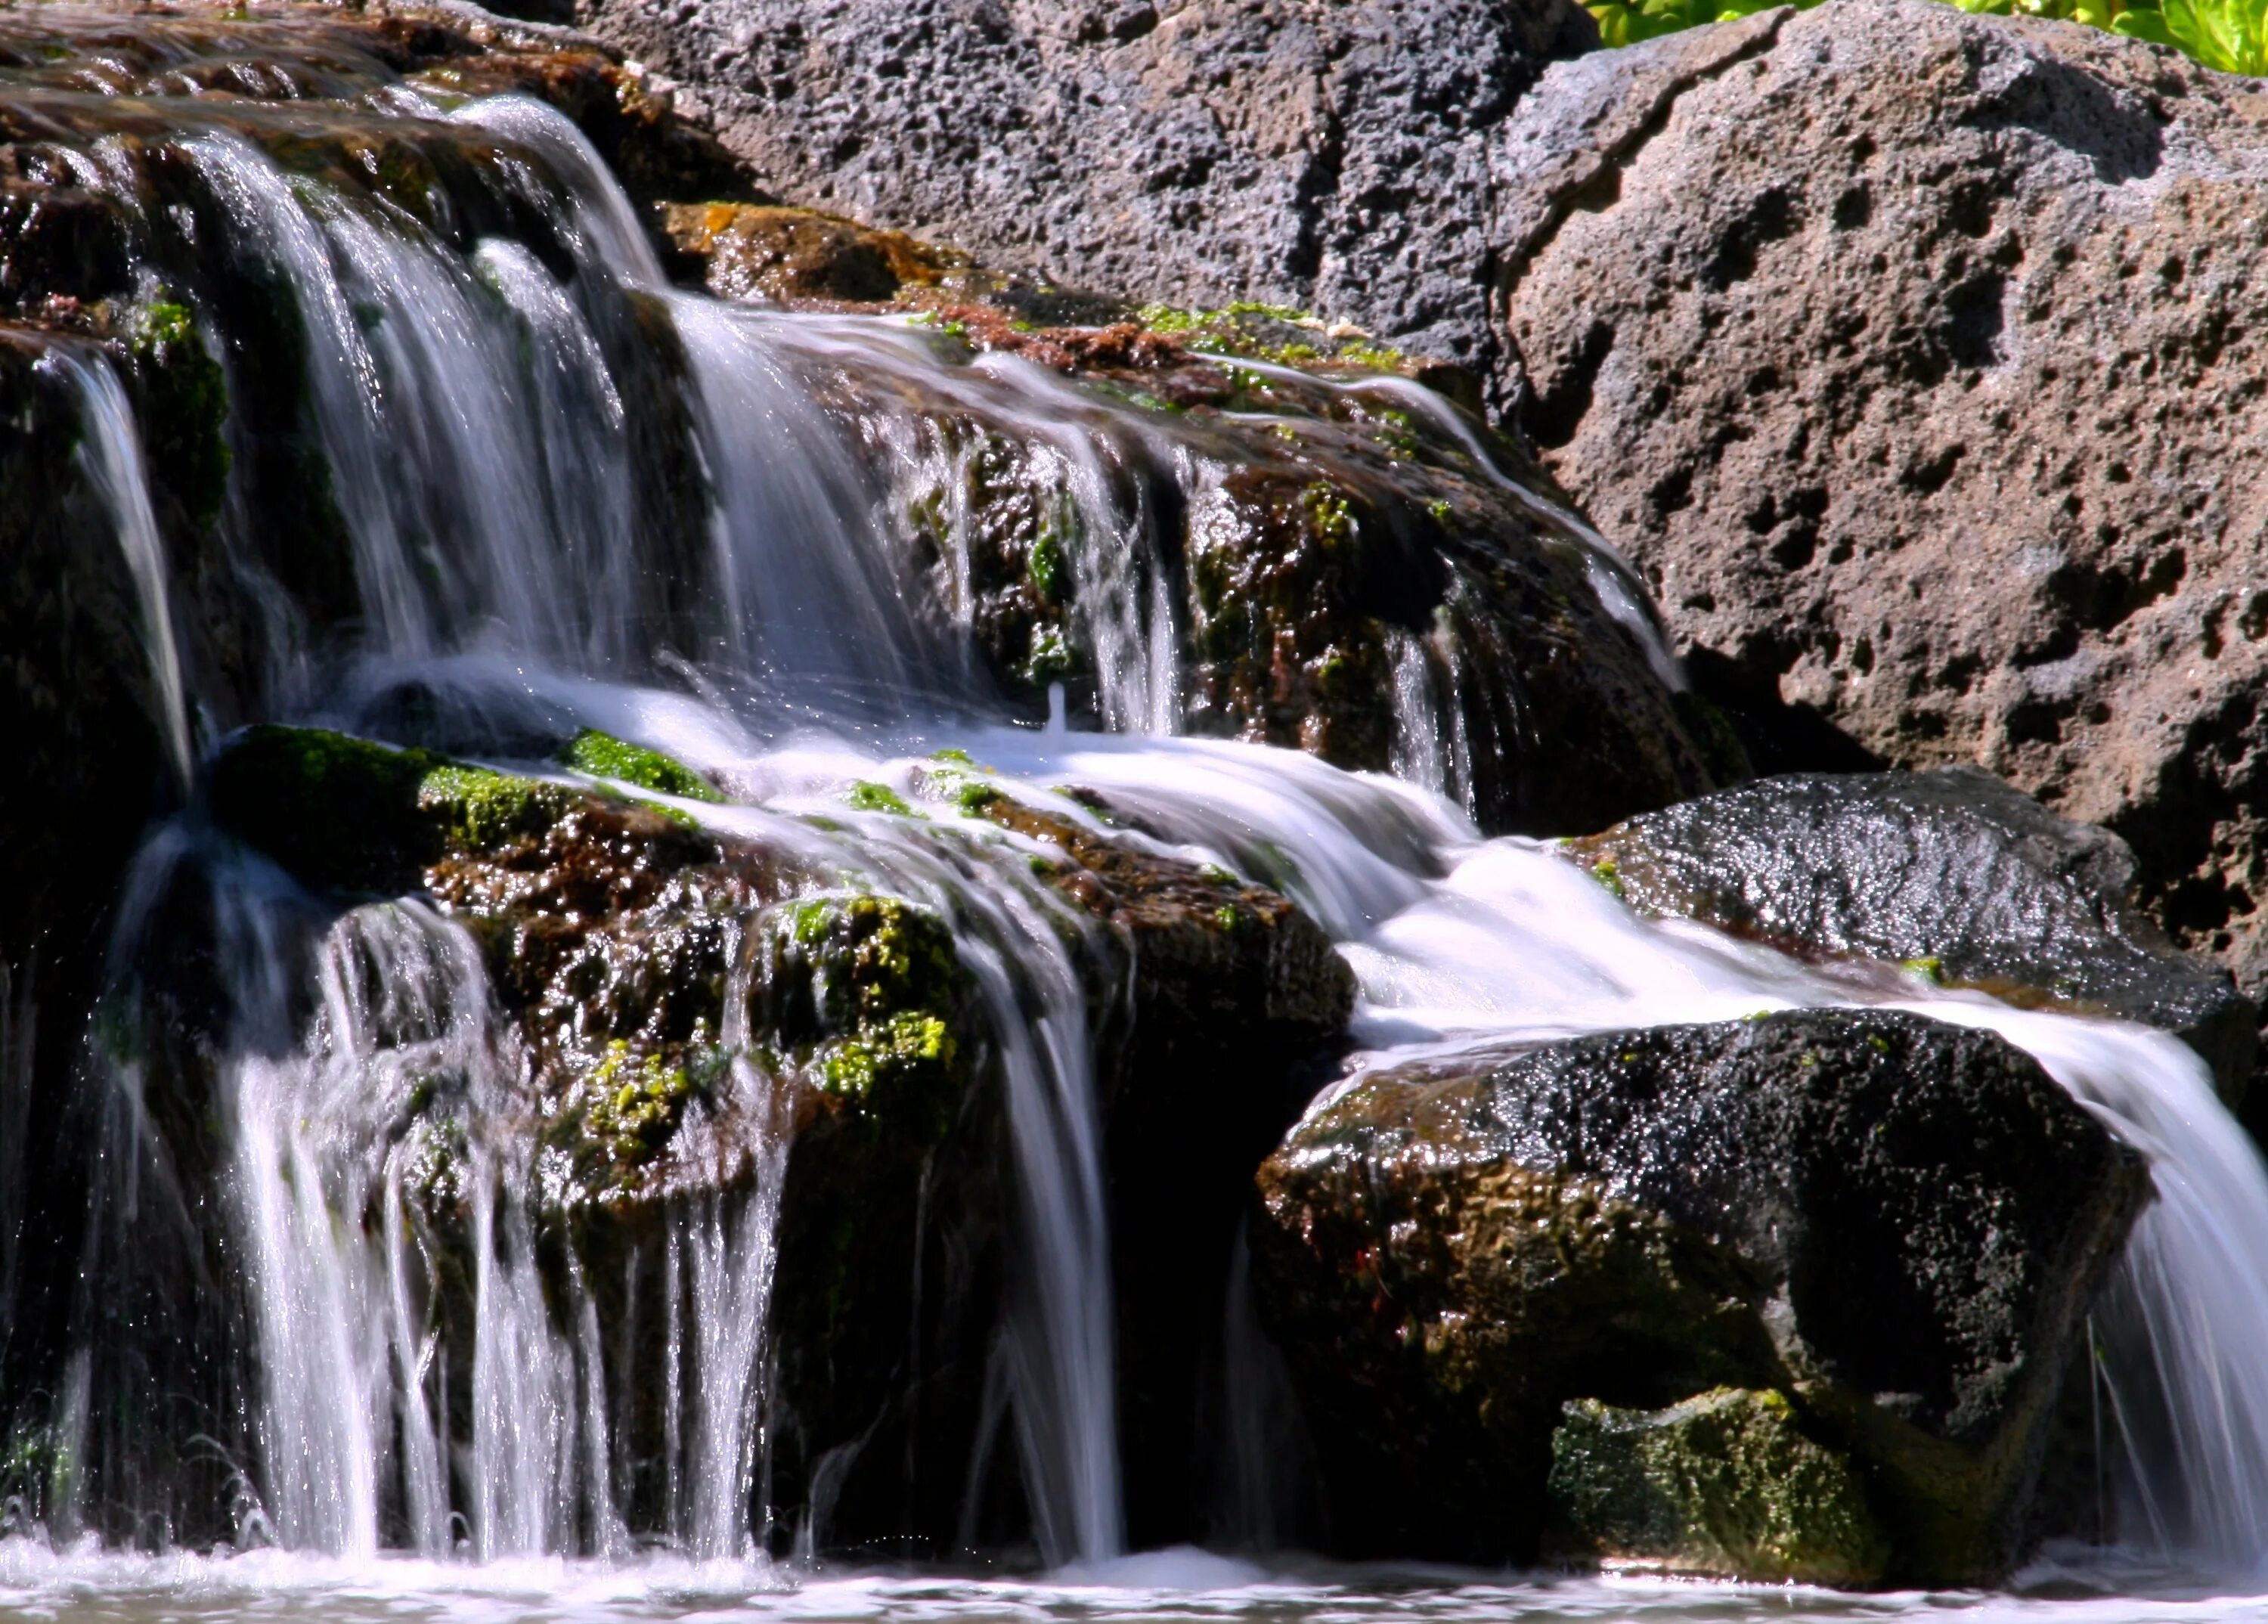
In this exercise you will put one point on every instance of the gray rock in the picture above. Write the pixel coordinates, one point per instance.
(1199, 152)
(1897, 1223)
(1950, 871)
(1913, 357)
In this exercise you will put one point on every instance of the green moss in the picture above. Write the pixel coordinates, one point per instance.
(1607, 873)
(479, 809)
(1930, 969)
(866, 993)
(1229, 918)
(339, 812)
(1725, 1484)
(1052, 657)
(955, 757)
(183, 395)
(865, 795)
(1045, 565)
(1330, 515)
(908, 1043)
(635, 1104)
(605, 757)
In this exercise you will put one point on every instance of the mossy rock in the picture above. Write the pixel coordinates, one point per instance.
(1900, 1223)
(1724, 1485)
(867, 994)
(603, 756)
(346, 813)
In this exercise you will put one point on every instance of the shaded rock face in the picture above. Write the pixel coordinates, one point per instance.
(1724, 1484)
(1196, 152)
(1950, 872)
(1910, 353)
(1896, 1224)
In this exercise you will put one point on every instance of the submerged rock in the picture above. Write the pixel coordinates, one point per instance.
(1950, 874)
(1896, 1223)
(1724, 1485)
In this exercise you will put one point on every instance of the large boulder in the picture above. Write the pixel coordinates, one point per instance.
(1199, 152)
(1894, 1224)
(1910, 354)
(1949, 873)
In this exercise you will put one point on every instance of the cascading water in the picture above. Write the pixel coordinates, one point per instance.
(486, 408)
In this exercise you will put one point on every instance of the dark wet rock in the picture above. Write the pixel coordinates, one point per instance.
(1896, 1222)
(1950, 873)
(622, 944)
(1724, 1485)
(1326, 158)
(1352, 567)
(1911, 354)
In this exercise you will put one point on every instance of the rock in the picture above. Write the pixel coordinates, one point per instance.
(622, 943)
(1200, 153)
(1361, 571)
(799, 254)
(1950, 872)
(1724, 1485)
(1899, 1224)
(1910, 353)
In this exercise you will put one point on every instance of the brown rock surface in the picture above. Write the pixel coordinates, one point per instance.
(1913, 357)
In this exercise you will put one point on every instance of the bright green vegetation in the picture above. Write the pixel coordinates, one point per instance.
(603, 756)
(865, 795)
(2231, 35)
(1260, 332)
(1724, 1483)
(482, 810)
(635, 1103)
(865, 991)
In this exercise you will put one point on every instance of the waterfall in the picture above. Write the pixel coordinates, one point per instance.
(509, 427)
(111, 456)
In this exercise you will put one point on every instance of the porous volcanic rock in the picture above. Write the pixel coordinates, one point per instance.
(1199, 151)
(1949, 872)
(1895, 1223)
(1914, 356)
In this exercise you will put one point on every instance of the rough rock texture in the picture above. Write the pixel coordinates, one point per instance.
(1896, 1222)
(1196, 150)
(1914, 357)
(1724, 1484)
(1950, 872)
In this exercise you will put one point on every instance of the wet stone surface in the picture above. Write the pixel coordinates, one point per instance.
(1894, 1221)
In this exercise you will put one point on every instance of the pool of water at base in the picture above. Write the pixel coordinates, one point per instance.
(84, 1585)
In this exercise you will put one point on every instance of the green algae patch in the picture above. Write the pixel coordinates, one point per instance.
(603, 756)
(867, 998)
(865, 795)
(1724, 1484)
(479, 809)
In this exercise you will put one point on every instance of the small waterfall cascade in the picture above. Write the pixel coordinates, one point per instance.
(493, 481)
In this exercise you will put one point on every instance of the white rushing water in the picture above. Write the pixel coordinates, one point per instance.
(477, 436)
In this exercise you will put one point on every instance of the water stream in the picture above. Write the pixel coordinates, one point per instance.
(484, 405)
